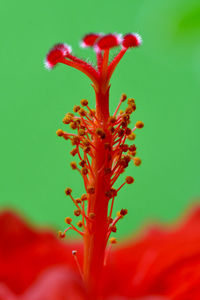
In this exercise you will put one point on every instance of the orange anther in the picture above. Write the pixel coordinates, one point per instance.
(137, 161)
(129, 179)
(131, 136)
(79, 224)
(73, 152)
(77, 212)
(68, 191)
(84, 171)
(61, 234)
(123, 97)
(84, 197)
(113, 240)
(90, 190)
(59, 132)
(76, 108)
(68, 220)
(139, 124)
(73, 165)
(84, 102)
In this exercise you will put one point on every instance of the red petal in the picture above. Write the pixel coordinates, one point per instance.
(25, 253)
(163, 263)
(6, 294)
(58, 283)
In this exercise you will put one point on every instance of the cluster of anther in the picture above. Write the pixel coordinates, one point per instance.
(87, 126)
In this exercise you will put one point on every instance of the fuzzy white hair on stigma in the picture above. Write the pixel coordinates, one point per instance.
(139, 38)
(67, 49)
(47, 65)
(119, 37)
(83, 45)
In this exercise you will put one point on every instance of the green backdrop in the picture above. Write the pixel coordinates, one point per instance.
(163, 75)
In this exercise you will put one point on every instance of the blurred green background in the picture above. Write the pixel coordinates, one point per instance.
(163, 75)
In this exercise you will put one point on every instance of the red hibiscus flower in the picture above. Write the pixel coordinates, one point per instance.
(163, 263)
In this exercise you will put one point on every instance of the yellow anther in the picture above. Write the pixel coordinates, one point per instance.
(123, 212)
(124, 124)
(132, 148)
(84, 197)
(129, 179)
(131, 101)
(92, 113)
(86, 143)
(121, 112)
(110, 220)
(101, 133)
(59, 132)
(73, 125)
(73, 165)
(81, 132)
(79, 224)
(108, 193)
(68, 118)
(84, 102)
(68, 191)
(76, 108)
(78, 200)
(137, 161)
(139, 124)
(66, 136)
(77, 212)
(120, 132)
(68, 220)
(73, 152)
(75, 140)
(131, 136)
(124, 147)
(91, 190)
(126, 117)
(112, 119)
(92, 215)
(123, 97)
(82, 112)
(111, 129)
(61, 234)
(113, 240)
(119, 214)
(82, 163)
(129, 110)
(113, 228)
(87, 149)
(132, 153)
(128, 131)
(84, 171)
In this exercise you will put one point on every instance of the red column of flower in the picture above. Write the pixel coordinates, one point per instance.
(101, 139)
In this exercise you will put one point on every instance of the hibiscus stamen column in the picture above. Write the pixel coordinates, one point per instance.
(100, 147)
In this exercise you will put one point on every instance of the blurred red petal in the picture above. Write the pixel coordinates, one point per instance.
(25, 253)
(163, 262)
(6, 294)
(58, 283)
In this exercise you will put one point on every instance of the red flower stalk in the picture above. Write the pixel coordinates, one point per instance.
(100, 145)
